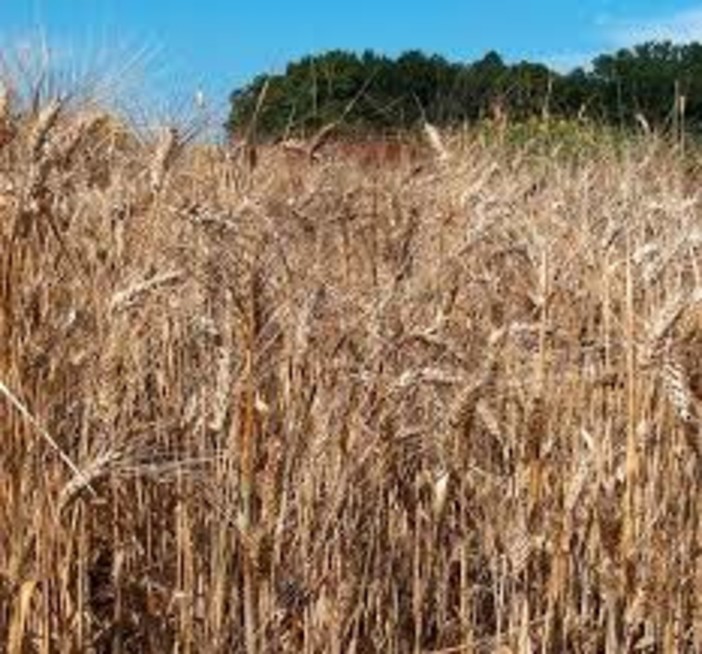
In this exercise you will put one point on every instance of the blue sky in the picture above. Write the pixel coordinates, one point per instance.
(219, 44)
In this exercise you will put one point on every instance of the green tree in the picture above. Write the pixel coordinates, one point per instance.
(376, 93)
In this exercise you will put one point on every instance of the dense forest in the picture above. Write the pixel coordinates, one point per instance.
(655, 84)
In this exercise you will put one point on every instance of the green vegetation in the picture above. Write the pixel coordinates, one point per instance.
(654, 84)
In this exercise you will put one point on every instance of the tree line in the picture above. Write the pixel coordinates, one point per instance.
(655, 84)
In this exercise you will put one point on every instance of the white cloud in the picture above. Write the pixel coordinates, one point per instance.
(680, 27)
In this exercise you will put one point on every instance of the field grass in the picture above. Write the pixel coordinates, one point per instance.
(445, 405)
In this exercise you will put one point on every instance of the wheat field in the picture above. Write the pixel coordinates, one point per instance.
(448, 404)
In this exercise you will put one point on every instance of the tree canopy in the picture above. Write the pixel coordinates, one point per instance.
(377, 93)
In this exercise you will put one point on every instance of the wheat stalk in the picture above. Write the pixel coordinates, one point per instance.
(435, 142)
(135, 293)
(167, 146)
(37, 426)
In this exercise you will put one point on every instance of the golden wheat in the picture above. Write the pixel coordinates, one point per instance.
(341, 407)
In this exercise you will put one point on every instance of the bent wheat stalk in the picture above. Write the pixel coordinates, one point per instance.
(37, 426)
